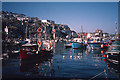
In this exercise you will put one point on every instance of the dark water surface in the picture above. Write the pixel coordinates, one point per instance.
(65, 63)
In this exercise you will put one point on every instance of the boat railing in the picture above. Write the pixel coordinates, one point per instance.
(114, 52)
(28, 49)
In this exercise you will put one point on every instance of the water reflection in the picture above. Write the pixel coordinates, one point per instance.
(96, 56)
(75, 54)
(68, 63)
(96, 53)
(52, 71)
(43, 68)
(113, 68)
(78, 53)
(63, 57)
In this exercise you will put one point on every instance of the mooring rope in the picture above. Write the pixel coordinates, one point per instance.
(99, 74)
(105, 74)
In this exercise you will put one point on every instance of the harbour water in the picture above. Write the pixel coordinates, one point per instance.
(65, 63)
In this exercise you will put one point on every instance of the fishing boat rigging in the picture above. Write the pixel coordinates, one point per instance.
(38, 50)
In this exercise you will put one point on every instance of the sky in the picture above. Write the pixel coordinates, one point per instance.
(89, 15)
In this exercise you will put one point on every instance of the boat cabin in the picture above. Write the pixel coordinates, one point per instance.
(29, 47)
(80, 40)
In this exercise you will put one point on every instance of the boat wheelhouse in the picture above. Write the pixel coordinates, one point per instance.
(77, 43)
(30, 51)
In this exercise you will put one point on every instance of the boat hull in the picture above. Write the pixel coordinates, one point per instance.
(76, 45)
(29, 55)
(113, 56)
(94, 46)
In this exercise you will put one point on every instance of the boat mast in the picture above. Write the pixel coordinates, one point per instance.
(116, 30)
(45, 31)
(39, 38)
(53, 32)
(82, 31)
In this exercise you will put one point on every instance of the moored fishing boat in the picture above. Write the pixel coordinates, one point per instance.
(112, 40)
(41, 49)
(94, 43)
(105, 43)
(112, 57)
(77, 43)
(113, 53)
(30, 51)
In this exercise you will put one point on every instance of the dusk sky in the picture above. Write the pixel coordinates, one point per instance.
(91, 15)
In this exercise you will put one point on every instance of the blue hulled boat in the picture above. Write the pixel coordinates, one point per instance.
(77, 43)
(95, 44)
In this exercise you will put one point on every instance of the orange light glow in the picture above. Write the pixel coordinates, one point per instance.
(70, 57)
(102, 52)
(63, 57)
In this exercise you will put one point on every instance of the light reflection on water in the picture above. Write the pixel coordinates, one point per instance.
(68, 63)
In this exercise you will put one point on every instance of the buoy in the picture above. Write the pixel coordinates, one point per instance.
(104, 59)
(104, 55)
(106, 45)
(34, 50)
(101, 52)
(43, 49)
(102, 46)
(83, 44)
(37, 41)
